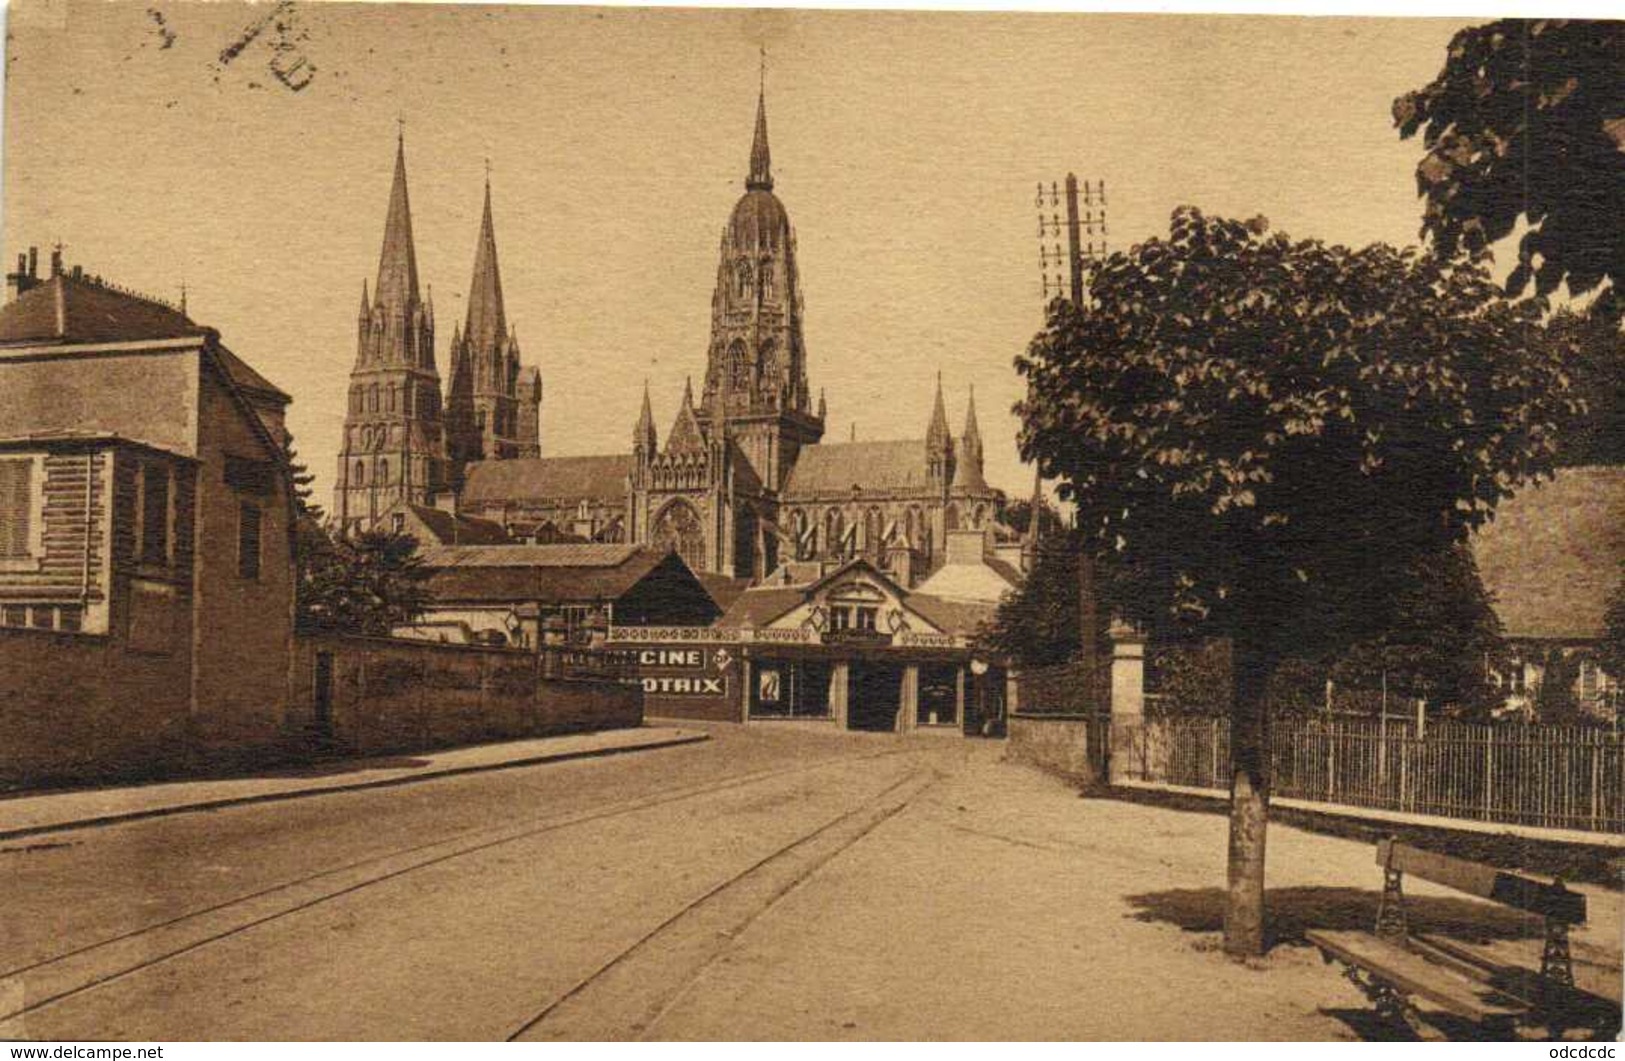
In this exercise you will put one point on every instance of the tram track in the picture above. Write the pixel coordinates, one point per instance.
(56, 979)
(626, 996)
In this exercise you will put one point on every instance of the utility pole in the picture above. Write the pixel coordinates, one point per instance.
(1068, 269)
(1085, 218)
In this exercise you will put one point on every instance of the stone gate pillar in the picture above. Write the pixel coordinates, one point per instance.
(1128, 739)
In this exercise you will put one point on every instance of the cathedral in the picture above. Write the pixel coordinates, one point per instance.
(742, 484)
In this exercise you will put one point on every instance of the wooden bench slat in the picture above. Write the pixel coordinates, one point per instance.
(1511, 889)
(1412, 974)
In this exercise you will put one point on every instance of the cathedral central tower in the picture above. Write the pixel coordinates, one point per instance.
(756, 372)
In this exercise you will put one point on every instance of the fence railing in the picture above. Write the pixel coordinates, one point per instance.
(1560, 777)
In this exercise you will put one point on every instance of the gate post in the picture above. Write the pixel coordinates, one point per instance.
(1127, 700)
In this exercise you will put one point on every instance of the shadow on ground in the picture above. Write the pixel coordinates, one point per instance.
(1294, 910)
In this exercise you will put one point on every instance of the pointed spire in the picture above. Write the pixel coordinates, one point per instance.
(397, 287)
(487, 322)
(366, 307)
(973, 433)
(936, 436)
(968, 462)
(644, 434)
(761, 159)
(821, 406)
(688, 392)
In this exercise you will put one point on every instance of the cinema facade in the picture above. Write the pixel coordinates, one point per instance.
(847, 649)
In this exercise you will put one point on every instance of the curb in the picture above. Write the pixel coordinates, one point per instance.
(118, 818)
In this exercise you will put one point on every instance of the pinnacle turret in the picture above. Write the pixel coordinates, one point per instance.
(643, 436)
(761, 158)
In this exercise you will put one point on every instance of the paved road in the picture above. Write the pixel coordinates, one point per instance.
(764, 884)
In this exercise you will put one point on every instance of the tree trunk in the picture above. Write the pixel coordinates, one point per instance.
(1244, 919)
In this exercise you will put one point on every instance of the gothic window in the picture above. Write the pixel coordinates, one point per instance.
(739, 368)
(979, 516)
(742, 279)
(372, 398)
(678, 527)
(798, 527)
(950, 519)
(767, 275)
(360, 476)
(383, 471)
(770, 366)
(834, 530)
(872, 528)
(391, 402)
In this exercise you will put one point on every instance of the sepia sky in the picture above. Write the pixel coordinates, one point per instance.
(906, 147)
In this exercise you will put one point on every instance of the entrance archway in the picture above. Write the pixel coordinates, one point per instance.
(678, 527)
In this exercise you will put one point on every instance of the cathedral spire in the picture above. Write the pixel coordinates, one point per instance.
(761, 159)
(968, 454)
(973, 433)
(936, 436)
(397, 287)
(487, 322)
(643, 436)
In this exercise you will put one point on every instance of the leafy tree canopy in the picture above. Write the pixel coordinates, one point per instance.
(1267, 435)
(1527, 121)
(364, 585)
(1593, 352)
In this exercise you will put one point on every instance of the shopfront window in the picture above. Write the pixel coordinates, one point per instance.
(790, 689)
(939, 695)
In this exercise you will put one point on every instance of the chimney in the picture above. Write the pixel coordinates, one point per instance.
(56, 262)
(26, 276)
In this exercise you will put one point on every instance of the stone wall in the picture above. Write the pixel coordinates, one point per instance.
(1069, 745)
(77, 707)
(395, 695)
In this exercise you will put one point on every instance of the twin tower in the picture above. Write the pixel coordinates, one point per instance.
(401, 442)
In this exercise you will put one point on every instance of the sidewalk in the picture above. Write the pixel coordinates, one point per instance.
(51, 812)
(1373, 814)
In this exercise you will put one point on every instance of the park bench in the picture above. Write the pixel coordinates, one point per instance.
(1396, 969)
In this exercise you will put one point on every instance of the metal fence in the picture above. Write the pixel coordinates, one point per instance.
(1561, 777)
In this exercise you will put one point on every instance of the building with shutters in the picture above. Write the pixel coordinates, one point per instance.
(146, 515)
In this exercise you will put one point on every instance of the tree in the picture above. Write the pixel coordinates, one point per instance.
(1037, 625)
(1265, 436)
(365, 585)
(1593, 350)
(1018, 516)
(1442, 628)
(1527, 121)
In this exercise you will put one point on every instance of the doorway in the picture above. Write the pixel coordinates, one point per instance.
(875, 692)
(322, 701)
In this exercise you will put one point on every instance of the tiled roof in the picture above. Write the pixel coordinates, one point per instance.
(722, 588)
(475, 574)
(834, 468)
(984, 583)
(459, 529)
(68, 310)
(243, 374)
(565, 555)
(760, 606)
(951, 617)
(600, 478)
(1553, 554)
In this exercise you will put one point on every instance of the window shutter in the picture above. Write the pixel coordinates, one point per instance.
(16, 506)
